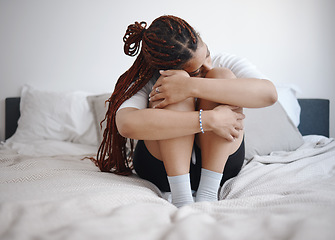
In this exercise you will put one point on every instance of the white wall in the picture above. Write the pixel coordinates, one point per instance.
(77, 44)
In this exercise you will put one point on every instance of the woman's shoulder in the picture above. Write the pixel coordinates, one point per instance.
(240, 66)
(148, 87)
(227, 60)
(152, 81)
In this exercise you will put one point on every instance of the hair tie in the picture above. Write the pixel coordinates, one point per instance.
(133, 37)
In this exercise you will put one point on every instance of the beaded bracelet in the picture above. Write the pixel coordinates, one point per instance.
(200, 121)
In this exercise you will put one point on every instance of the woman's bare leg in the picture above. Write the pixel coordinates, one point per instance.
(215, 151)
(176, 156)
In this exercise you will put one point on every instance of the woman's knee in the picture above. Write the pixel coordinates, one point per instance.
(219, 72)
(186, 105)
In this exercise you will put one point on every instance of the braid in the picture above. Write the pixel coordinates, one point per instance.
(133, 37)
(168, 43)
(113, 144)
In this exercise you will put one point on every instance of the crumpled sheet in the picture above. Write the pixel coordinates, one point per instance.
(282, 196)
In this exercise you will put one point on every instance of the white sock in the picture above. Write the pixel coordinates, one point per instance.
(181, 190)
(208, 186)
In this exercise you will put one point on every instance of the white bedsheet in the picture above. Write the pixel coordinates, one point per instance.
(282, 196)
(49, 148)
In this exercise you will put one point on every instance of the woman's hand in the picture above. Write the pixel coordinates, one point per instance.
(227, 121)
(171, 87)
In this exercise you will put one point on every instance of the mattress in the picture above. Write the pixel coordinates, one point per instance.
(49, 190)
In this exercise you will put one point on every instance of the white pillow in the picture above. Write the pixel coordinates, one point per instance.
(288, 99)
(99, 108)
(48, 115)
(269, 129)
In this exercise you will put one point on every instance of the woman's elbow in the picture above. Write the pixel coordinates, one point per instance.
(124, 130)
(271, 96)
(125, 127)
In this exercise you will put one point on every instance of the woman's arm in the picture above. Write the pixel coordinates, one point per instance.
(175, 85)
(242, 92)
(158, 124)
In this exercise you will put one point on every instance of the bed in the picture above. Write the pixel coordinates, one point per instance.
(49, 190)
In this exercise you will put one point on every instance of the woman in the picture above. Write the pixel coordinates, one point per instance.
(178, 106)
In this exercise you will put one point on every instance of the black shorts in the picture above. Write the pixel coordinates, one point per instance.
(150, 168)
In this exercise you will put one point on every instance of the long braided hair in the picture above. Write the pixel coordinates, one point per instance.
(168, 43)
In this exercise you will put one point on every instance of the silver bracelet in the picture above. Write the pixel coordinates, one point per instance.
(200, 121)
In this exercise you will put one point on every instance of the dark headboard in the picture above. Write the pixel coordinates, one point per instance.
(314, 118)
(12, 111)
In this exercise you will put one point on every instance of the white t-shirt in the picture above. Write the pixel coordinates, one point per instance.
(241, 68)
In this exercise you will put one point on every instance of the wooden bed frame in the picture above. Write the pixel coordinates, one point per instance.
(314, 118)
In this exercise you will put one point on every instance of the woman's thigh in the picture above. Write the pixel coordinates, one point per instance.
(150, 168)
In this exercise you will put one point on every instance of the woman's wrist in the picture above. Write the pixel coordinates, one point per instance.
(193, 87)
(206, 120)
